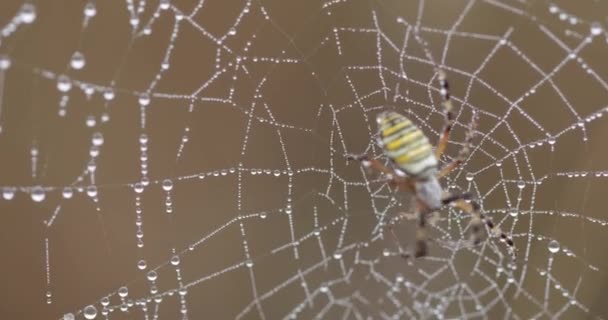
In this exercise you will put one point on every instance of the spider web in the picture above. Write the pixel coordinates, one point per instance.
(186, 160)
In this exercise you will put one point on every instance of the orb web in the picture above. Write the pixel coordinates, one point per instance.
(187, 159)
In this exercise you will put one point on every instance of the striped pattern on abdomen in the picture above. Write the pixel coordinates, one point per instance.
(406, 144)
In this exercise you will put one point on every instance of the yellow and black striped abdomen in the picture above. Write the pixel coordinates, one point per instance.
(406, 145)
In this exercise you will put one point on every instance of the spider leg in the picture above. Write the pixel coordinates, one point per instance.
(464, 152)
(404, 254)
(403, 183)
(465, 203)
(370, 164)
(449, 114)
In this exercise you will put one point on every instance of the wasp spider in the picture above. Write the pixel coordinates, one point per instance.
(415, 170)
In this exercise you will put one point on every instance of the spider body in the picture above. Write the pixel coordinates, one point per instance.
(406, 145)
(416, 170)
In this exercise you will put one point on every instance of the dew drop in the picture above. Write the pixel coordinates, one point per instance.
(123, 292)
(152, 275)
(553, 246)
(513, 212)
(108, 94)
(469, 176)
(277, 173)
(165, 4)
(596, 28)
(232, 31)
(8, 193)
(337, 255)
(90, 312)
(92, 191)
(249, 263)
(499, 164)
(37, 194)
(97, 139)
(28, 13)
(521, 184)
(386, 252)
(144, 100)
(77, 62)
(553, 9)
(175, 260)
(68, 316)
(90, 10)
(167, 185)
(142, 264)
(263, 215)
(138, 187)
(64, 84)
(5, 62)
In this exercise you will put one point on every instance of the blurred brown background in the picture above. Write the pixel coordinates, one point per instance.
(276, 86)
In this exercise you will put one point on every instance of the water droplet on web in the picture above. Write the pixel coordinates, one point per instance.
(249, 263)
(553, 246)
(27, 13)
(8, 193)
(97, 139)
(165, 4)
(521, 184)
(142, 264)
(90, 312)
(263, 215)
(108, 94)
(144, 100)
(90, 10)
(175, 260)
(323, 288)
(5, 62)
(77, 62)
(92, 191)
(337, 255)
(386, 252)
(90, 121)
(469, 176)
(152, 275)
(277, 173)
(167, 185)
(553, 9)
(64, 84)
(138, 187)
(513, 212)
(123, 292)
(37, 194)
(499, 164)
(596, 28)
(134, 21)
(68, 316)
(232, 31)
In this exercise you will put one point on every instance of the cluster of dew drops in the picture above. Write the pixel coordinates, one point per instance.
(91, 311)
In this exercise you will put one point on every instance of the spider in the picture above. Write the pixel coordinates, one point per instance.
(415, 170)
